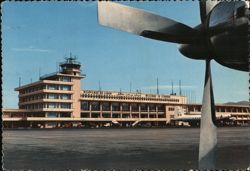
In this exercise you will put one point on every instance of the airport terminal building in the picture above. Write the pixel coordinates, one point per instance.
(56, 100)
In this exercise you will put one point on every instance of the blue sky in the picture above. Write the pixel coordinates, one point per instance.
(40, 34)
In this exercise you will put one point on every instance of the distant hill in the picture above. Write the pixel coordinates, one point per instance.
(238, 103)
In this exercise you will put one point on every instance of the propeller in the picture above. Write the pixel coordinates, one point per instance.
(144, 23)
(208, 131)
(161, 28)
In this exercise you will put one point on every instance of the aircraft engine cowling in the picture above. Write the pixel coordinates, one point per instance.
(223, 37)
(228, 29)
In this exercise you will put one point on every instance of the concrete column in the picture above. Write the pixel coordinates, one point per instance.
(130, 110)
(101, 109)
(90, 110)
(111, 110)
(167, 114)
(148, 110)
(156, 108)
(120, 104)
(139, 110)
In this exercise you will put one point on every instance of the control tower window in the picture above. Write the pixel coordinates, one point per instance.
(65, 79)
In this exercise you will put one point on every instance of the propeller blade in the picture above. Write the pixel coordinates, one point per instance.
(205, 7)
(208, 134)
(144, 23)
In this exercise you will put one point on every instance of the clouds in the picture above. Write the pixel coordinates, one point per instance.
(30, 49)
(9, 27)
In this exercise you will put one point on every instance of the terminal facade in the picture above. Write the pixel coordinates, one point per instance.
(56, 100)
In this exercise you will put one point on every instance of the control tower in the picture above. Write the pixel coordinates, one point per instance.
(70, 66)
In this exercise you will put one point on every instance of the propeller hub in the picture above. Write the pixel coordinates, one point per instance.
(227, 30)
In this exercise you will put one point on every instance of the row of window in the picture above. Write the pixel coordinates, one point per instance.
(120, 106)
(223, 109)
(58, 96)
(116, 115)
(128, 98)
(58, 87)
(46, 105)
(48, 114)
(64, 79)
(48, 86)
(31, 98)
(23, 115)
(33, 106)
(45, 96)
(32, 89)
(59, 105)
(58, 114)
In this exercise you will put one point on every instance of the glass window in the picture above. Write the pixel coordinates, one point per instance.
(65, 115)
(65, 87)
(52, 105)
(84, 105)
(52, 96)
(125, 107)
(95, 106)
(135, 107)
(115, 107)
(85, 115)
(144, 107)
(65, 96)
(161, 108)
(65, 105)
(95, 115)
(116, 115)
(152, 107)
(106, 115)
(52, 87)
(52, 114)
(65, 79)
(106, 106)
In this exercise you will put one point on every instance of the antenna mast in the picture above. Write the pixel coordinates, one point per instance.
(99, 83)
(39, 72)
(157, 86)
(172, 87)
(19, 81)
(57, 66)
(180, 93)
(130, 87)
